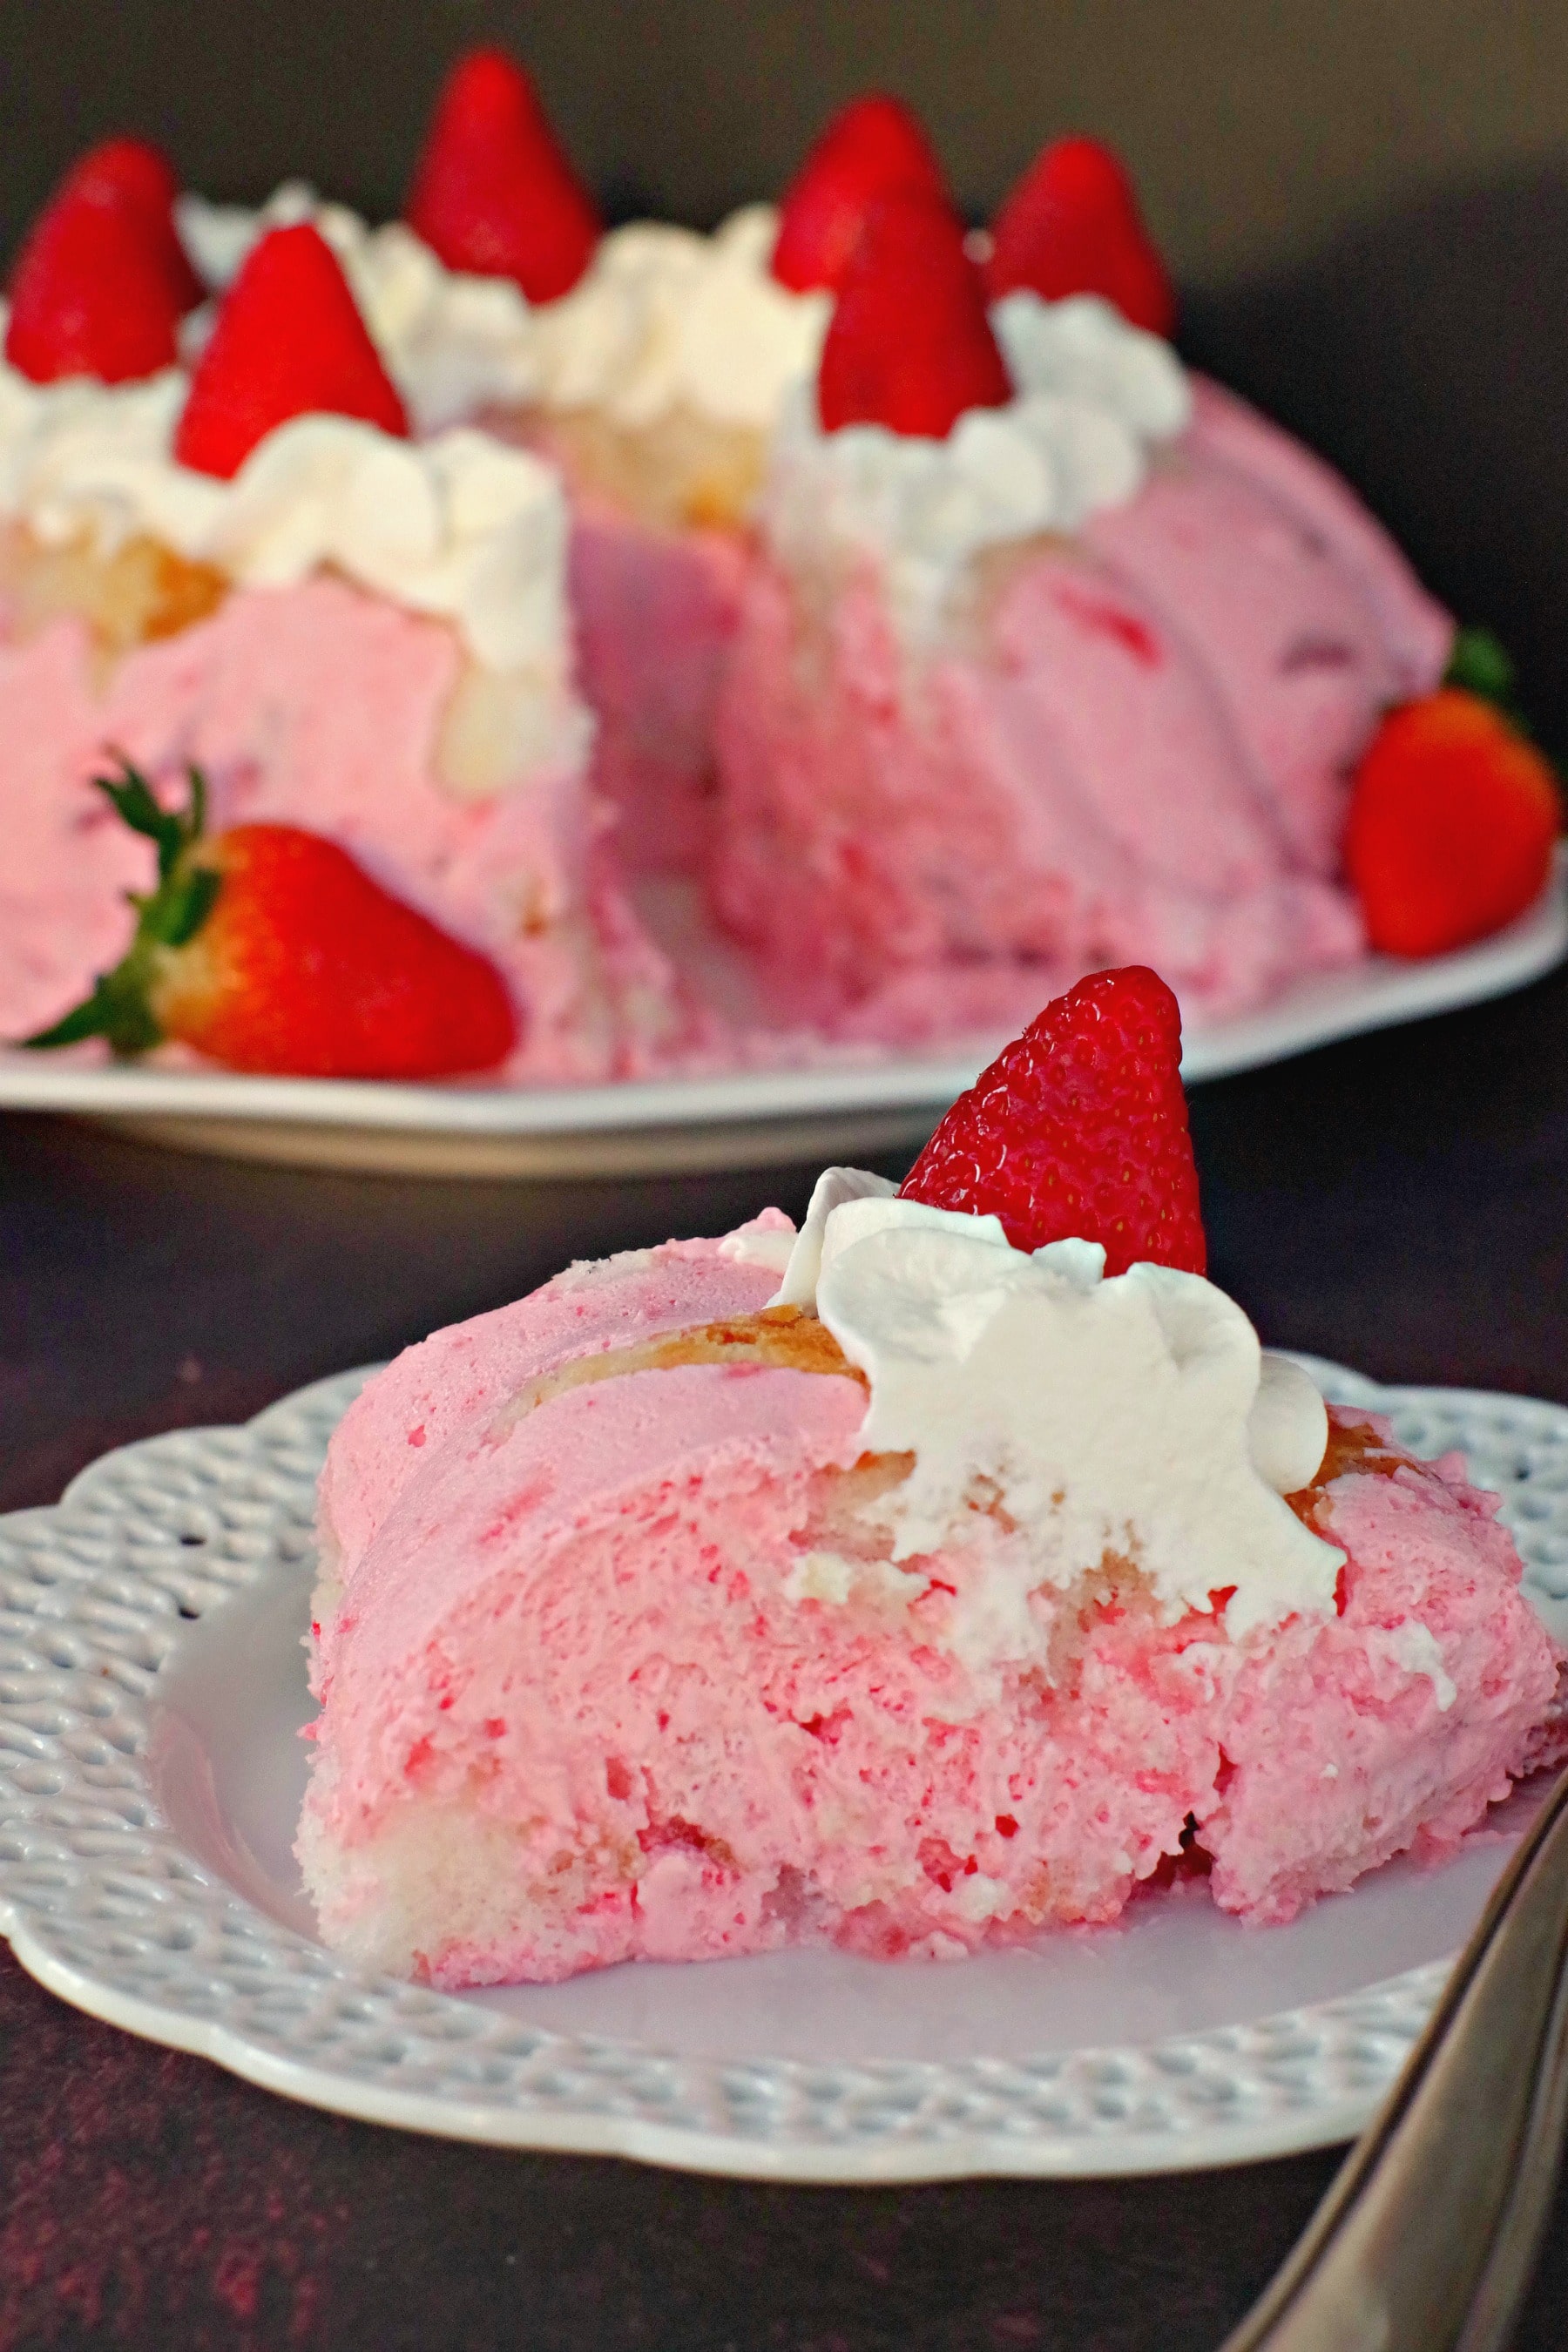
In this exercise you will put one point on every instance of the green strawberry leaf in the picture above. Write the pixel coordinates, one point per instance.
(120, 1006)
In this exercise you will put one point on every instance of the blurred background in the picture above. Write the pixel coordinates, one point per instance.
(1365, 201)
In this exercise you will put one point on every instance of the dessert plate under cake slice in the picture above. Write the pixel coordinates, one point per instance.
(860, 1104)
(150, 1774)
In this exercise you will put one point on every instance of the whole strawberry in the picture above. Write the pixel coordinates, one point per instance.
(874, 148)
(90, 295)
(266, 948)
(1072, 225)
(1079, 1129)
(136, 174)
(1452, 819)
(289, 341)
(910, 345)
(493, 193)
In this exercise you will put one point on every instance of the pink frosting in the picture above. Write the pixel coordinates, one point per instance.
(459, 1376)
(318, 706)
(1139, 754)
(587, 1625)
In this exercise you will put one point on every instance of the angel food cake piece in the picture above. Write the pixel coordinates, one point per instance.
(256, 570)
(1056, 657)
(916, 1582)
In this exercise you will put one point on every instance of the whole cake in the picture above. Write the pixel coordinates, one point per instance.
(894, 585)
(943, 1572)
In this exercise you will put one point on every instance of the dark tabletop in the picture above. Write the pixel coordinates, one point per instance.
(1397, 1201)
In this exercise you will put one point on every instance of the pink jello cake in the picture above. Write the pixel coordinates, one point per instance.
(254, 568)
(1056, 657)
(947, 1572)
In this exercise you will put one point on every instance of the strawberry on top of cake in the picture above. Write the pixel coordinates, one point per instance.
(943, 1572)
(252, 567)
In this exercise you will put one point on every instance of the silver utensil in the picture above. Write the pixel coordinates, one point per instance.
(1426, 2240)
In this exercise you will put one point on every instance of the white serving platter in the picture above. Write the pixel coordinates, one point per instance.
(743, 1119)
(152, 1689)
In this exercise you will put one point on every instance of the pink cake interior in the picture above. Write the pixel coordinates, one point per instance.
(655, 609)
(317, 706)
(615, 1664)
(1140, 751)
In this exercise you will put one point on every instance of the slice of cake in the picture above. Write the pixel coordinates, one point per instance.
(256, 572)
(1054, 657)
(937, 1575)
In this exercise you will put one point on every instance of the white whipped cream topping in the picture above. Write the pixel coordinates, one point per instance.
(1130, 1415)
(1095, 397)
(453, 344)
(665, 318)
(460, 527)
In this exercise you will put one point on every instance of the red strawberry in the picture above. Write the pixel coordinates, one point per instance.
(1080, 1128)
(909, 344)
(134, 172)
(267, 948)
(1452, 820)
(1072, 225)
(493, 192)
(90, 296)
(289, 342)
(873, 148)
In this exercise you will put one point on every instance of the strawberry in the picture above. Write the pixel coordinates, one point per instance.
(134, 172)
(1080, 1128)
(908, 345)
(289, 342)
(872, 149)
(267, 948)
(493, 192)
(1452, 818)
(1071, 225)
(90, 296)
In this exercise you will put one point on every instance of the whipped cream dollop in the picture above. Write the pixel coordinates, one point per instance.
(453, 345)
(1095, 400)
(460, 527)
(665, 320)
(1133, 1416)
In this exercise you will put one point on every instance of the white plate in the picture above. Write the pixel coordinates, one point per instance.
(747, 1118)
(152, 1683)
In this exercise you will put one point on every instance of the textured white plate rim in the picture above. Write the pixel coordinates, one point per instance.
(1375, 995)
(106, 1613)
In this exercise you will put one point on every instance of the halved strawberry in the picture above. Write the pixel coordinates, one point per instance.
(493, 193)
(1452, 819)
(1071, 225)
(1080, 1129)
(267, 948)
(90, 296)
(289, 342)
(873, 148)
(134, 172)
(910, 345)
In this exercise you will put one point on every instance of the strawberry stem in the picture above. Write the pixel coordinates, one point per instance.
(119, 1008)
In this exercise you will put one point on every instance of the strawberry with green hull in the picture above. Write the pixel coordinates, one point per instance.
(1454, 813)
(266, 948)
